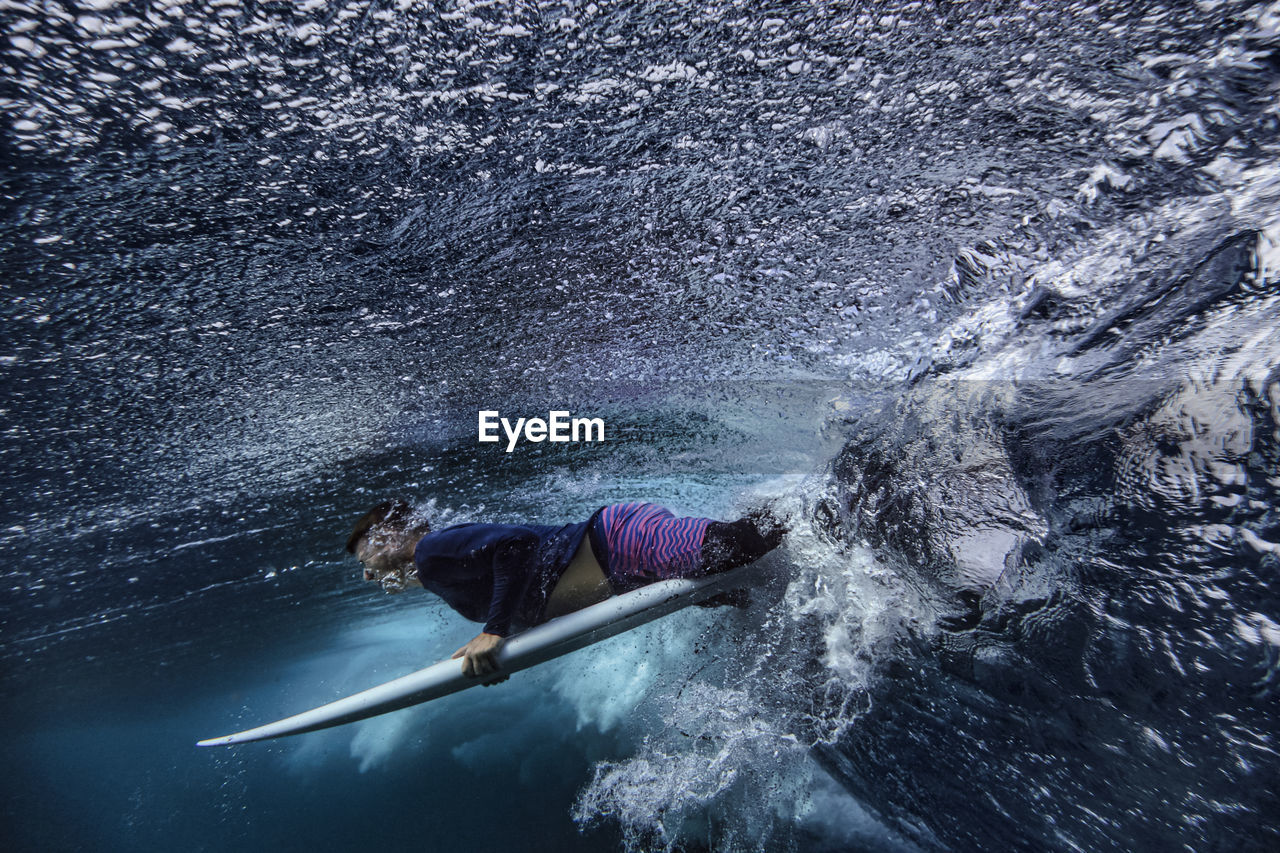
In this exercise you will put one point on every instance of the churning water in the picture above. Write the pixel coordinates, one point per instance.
(985, 293)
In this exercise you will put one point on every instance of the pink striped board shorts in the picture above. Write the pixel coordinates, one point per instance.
(644, 543)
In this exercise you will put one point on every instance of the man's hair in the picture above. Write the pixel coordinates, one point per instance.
(395, 511)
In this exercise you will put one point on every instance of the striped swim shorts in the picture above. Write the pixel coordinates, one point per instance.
(640, 543)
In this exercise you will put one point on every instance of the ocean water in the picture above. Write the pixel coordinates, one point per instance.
(984, 294)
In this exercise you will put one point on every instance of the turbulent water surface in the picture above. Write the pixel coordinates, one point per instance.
(984, 294)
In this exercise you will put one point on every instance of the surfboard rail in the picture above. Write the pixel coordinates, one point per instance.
(539, 644)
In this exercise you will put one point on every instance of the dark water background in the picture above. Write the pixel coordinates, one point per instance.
(984, 293)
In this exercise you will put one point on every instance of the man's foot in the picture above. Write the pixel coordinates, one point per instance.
(739, 598)
(768, 524)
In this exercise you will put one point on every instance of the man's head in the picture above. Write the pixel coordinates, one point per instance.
(383, 541)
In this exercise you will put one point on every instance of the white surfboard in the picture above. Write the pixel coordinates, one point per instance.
(541, 643)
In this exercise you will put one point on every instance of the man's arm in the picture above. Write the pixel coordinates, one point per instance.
(512, 561)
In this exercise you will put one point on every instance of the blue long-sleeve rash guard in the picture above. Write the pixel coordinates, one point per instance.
(499, 574)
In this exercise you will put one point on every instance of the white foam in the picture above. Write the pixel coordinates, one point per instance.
(1103, 173)
(722, 742)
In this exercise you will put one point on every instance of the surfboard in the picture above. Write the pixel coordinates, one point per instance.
(539, 644)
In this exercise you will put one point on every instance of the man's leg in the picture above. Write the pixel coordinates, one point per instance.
(645, 543)
(735, 543)
(729, 545)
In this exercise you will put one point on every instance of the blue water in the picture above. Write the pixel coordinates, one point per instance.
(984, 294)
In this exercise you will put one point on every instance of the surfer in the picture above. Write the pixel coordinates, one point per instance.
(512, 576)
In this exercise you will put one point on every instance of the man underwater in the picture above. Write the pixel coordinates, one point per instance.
(513, 576)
